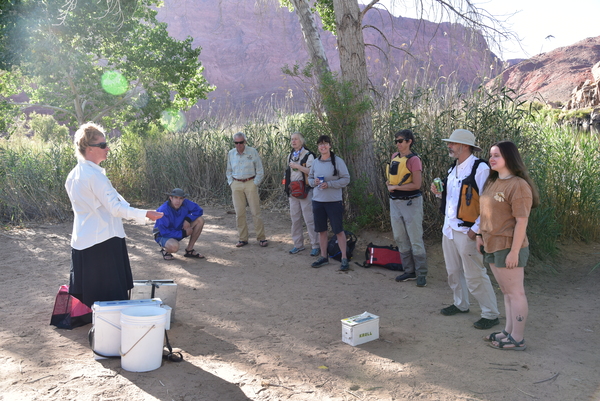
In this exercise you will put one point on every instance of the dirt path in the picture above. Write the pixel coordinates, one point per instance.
(254, 316)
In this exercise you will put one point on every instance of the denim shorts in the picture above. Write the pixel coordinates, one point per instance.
(332, 210)
(498, 258)
(163, 240)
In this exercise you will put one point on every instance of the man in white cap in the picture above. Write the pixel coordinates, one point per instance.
(460, 204)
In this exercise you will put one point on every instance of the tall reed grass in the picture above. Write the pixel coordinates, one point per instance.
(144, 165)
(32, 176)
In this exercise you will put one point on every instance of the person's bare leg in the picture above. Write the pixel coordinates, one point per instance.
(517, 309)
(507, 309)
(323, 243)
(196, 226)
(172, 245)
(341, 238)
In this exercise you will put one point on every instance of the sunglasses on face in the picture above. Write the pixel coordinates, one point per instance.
(101, 145)
(400, 140)
(239, 143)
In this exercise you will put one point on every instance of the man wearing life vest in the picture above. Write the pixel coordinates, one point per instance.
(406, 208)
(460, 205)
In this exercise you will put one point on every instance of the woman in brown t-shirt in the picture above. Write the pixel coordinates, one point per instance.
(507, 198)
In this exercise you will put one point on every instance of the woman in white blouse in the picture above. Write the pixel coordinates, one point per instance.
(100, 269)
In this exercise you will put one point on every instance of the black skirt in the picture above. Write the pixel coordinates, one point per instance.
(101, 272)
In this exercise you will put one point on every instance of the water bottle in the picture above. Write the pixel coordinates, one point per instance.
(439, 186)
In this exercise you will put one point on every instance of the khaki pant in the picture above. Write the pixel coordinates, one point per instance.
(300, 208)
(243, 192)
(466, 273)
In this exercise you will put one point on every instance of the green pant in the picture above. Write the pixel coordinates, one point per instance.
(407, 226)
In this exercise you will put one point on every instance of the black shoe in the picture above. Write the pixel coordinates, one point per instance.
(421, 281)
(484, 324)
(320, 262)
(406, 277)
(452, 310)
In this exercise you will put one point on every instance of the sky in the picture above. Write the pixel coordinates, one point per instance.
(542, 25)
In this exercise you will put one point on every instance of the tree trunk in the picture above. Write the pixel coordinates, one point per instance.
(351, 48)
(312, 39)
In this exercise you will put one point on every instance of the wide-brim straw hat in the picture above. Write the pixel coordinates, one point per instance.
(464, 137)
(178, 192)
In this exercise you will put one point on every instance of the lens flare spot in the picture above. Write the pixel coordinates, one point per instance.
(173, 120)
(114, 83)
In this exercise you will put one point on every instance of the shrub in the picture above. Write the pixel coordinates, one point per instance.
(146, 163)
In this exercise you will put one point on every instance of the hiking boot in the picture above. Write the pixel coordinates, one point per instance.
(345, 265)
(421, 281)
(406, 277)
(320, 262)
(452, 310)
(295, 250)
(484, 324)
(315, 252)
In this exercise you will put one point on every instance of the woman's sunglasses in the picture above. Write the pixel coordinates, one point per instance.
(101, 145)
(400, 140)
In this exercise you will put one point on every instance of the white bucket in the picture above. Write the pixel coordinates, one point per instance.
(142, 338)
(106, 321)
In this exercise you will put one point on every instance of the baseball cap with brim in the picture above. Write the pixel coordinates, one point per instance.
(178, 192)
(464, 137)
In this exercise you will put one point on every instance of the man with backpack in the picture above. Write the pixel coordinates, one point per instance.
(300, 195)
(460, 205)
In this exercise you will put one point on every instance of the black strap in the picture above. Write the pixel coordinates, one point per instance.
(91, 341)
(171, 356)
(303, 164)
(288, 174)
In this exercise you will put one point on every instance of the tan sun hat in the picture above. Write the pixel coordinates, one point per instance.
(464, 137)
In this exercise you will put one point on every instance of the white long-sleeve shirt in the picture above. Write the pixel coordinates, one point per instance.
(97, 206)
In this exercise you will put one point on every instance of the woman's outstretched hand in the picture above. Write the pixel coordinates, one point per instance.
(154, 215)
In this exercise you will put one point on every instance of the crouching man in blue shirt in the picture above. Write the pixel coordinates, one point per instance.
(182, 218)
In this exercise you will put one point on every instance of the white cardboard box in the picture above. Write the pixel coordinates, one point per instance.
(166, 290)
(360, 329)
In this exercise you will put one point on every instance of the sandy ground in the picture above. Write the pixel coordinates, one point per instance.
(259, 324)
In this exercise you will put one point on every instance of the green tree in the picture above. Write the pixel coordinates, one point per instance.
(8, 111)
(345, 19)
(346, 102)
(66, 48)
(46, 129)
(8, 15)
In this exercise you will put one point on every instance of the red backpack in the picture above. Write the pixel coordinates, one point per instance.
(385, 256)
(69, 312)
